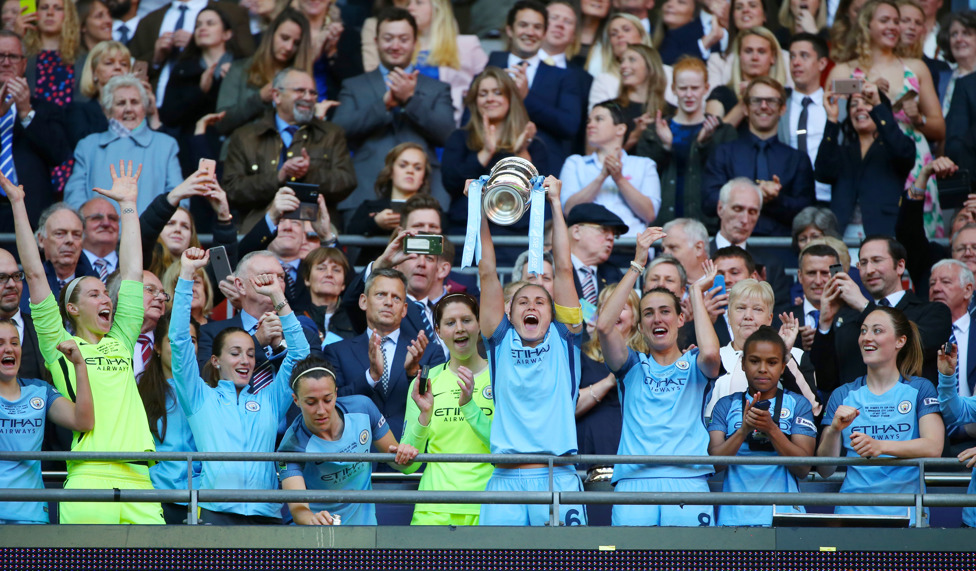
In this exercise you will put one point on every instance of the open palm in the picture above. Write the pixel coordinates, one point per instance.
(125, 184)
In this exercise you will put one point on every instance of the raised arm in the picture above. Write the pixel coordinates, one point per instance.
(492, 295)
(298, 348)
(186, 371)
(79, 415)
(125, 191)
(30, 258)
(563, 287)
(709, 359)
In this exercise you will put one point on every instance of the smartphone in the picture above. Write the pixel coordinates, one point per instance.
(208, 166)
(397, 206)
(897, 105)
(140, 69)
(761, 405)
(425, 244)
(422, 380)
(846, 86)
(835, 269)
(947, 348)
(220, 263)
(719, 283)
(308, 196)
(28, 7)
(955, 189)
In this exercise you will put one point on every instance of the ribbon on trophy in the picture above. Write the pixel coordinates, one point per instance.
(537, 224)
(471, 254)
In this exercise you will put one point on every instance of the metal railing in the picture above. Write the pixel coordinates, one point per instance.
(192, 497)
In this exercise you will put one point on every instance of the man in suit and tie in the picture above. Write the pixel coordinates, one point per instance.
(154, 299)
(101, 238)
(374, 363)
(960, 145)
(784, 175)
(393, 104)
(805, 118)
(60, 233)
(813, 274)
(952, 283)
(551, 95)
(836, 353)
(125, 19)
(739, 204)
(11, 291)
(592, 231)
(32, 135)
(257, 317)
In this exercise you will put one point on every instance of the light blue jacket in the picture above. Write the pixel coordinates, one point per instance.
(95, 153)
(223, 420)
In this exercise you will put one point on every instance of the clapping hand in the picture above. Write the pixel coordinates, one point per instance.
(125, 184)
(788, 330)
(708, 128)
(415, 352)
(466, 382)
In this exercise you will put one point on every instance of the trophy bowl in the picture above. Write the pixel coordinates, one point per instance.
(505, 198)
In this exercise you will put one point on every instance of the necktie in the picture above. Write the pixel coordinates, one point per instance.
(815, 314)
(801, 127)
(428, 328)
(102, 266)
(7, 147)
(289, 282)
(291, 130)
(884, 302)
(61, 284)
(124, 34)
(179, 21)
(589, 285)
(147, 346)
(385, 377)
(762, 161)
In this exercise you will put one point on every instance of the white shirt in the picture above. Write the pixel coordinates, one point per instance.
(816, 123)
(18, 319)
(559, 60)
(832, 11)
(112, 258)
(723, 242)
(194, 7)
(706, 20)
(646, 22)
(579, 266)
(515, 61)
(960, 328)
(137, 365)
(893, 298)
(930, 46)
(389, 349)
(130, 25)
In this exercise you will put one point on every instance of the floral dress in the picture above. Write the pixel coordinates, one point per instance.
(932, 217)
(56, 84)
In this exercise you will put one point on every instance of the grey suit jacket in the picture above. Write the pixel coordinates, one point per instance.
(426, 119)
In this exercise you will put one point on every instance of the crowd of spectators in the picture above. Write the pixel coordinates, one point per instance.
(130, 127)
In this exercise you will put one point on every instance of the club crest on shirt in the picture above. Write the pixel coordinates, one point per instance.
(252, 406)
(682, 364)
(785, 413)
(364, 437)
(37, 403)
(487, 394)
(905, 407)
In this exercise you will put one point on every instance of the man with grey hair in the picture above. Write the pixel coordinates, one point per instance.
(288, 144)
(951, 282)
(101, 238)
(687, 242)
(257, 316)
(128, 138)
(520, 271)
(59, 234)
(739, 205)
(32, 135)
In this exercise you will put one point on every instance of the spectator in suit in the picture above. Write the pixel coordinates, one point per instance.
(85, 115)
(256, 317)
(813, 274)
(101, 237)
(687, 242)
(125, 19)
(245, 92)
(561, 44)
(592, 231)
(164, 33)
(951, 283)
(784, 174)
(372, 364)
(391, 105)
(60, 232)
(805, 116)
(843, 308)
(154, 303)
(680, 31)
(960, 143)
(287, 145)
(11, 291)
(128, 138)
(551, 95)
(740, 202)
(869, 170)
(31, 131)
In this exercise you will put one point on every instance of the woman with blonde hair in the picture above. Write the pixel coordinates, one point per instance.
(872, 56)
(746, 14)
(245, 92)
(622, 31)
(756, 54)
(592, 27)
(808, 16)
(85, 115)
(499, 128)
(643, 84)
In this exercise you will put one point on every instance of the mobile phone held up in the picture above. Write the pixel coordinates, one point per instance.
(428, 245)
(846, 86)
(423, 381)
(220, 263)
(308, 196)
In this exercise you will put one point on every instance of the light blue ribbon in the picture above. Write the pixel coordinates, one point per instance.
(471, 254)
(537, 222)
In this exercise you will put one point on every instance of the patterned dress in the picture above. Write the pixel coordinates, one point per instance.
(932, 217)
(56, 84)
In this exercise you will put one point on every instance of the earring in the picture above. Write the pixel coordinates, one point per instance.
(218, 367)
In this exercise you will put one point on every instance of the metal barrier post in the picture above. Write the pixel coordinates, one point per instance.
(554, 508)
(190, 511)
(191, 517)
(920, 519)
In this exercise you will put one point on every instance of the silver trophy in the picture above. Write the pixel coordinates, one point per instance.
(505, 198)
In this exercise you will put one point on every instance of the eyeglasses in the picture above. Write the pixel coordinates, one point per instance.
(16, 276)
(605, 230)
(100, 217)
(153, 291)
(757, 102)
(303, 92)
(13, 58)
(964, 249)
